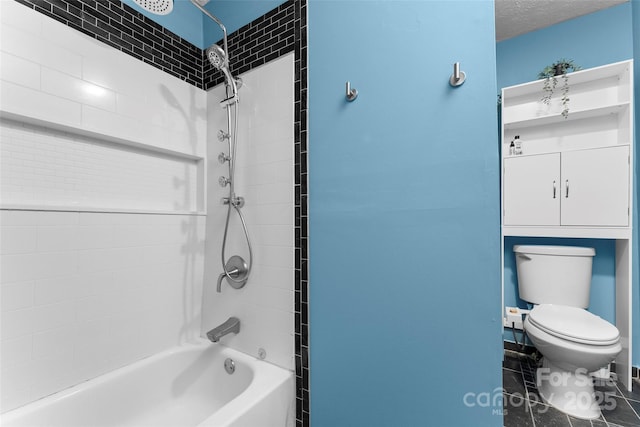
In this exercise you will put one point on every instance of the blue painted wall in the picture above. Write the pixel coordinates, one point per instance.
(185, 20)
(234, 14)
(592, 40)
(404, 214)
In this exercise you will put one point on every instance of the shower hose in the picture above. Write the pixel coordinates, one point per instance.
(233, 201)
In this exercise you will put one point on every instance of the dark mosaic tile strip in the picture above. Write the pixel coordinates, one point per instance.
(121, 27)
(299, 27)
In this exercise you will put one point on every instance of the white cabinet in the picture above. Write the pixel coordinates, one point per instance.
(574, 177)
(595, 187)
(588, 188)
(531, 190)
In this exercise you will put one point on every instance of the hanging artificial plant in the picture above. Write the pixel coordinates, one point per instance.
(550, 75)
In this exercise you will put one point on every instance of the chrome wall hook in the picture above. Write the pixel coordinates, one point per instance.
(351, 94)
(458, 77)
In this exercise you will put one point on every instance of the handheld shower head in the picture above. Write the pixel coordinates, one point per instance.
(215, 54)
(217, 57)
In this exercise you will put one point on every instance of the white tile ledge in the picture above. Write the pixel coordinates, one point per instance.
(100, 136)
(86, 209)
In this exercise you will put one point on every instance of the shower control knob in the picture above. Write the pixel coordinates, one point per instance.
(223, 158)
(223, 181)
(222, 135)
(238, 201)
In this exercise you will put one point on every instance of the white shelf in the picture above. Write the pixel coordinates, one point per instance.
(570, 232)
(573, 116)
(102, 137)
(579, 77)
(88, 209)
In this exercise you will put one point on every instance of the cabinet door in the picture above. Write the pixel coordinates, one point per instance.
(595, 187)
(532, 190)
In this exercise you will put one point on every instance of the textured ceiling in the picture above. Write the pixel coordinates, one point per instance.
(515, 17)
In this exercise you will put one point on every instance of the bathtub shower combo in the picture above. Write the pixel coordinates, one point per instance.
(196, 384)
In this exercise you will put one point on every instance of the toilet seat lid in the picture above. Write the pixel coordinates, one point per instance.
(574, 324)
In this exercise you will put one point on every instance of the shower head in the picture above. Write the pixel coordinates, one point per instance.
(158, 7)
(217, 56)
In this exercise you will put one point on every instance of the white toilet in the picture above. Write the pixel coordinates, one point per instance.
(573, 342)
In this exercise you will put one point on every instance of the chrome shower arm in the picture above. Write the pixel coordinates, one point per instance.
(220, 24)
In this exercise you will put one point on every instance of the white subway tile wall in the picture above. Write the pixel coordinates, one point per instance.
(83, 293)
(52, 73)
(46, 167)
(264, 176)
(121, 27)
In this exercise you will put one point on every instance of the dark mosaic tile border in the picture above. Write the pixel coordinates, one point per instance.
(278, 32)
(301, 214)
(121, 27)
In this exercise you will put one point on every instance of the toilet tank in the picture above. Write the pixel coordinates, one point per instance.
(554, 274)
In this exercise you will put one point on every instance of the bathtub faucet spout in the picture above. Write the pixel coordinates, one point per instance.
(231, 325)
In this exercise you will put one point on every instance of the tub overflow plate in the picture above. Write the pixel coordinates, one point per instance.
(229, 366)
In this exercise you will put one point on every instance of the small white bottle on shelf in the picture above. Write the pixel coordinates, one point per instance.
(517, 145)
(512, 148)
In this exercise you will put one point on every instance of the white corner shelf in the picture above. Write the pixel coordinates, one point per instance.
(573, 115)
(96, 209)
(52, 167)
(614, 70)
(568, 232)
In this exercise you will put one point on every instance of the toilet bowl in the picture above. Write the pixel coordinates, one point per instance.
(573, 343)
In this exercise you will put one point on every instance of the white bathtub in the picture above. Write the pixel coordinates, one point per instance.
(185, 386)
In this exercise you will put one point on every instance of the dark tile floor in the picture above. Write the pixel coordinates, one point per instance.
(524, 408)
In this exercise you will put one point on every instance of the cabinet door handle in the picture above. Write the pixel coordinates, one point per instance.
(554, 189)
(566, 186)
